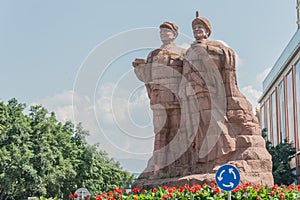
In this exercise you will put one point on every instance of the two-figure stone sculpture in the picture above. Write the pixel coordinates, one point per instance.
(201, 119)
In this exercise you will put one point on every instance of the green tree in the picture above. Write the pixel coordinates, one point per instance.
(281, 154)
(43, 157)
(15, 153)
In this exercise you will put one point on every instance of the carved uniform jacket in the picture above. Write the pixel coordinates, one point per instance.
(165, 69)
(209, 65)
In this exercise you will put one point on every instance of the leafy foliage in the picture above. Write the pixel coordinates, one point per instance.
(282, 154)
(43, 157)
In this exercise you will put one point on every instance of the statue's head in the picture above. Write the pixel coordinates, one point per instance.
(201, 27)
(168, 32)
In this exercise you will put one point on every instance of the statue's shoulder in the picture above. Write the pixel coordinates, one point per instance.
(218, 47)
(155, 52)
(179, 51)
(216, 43)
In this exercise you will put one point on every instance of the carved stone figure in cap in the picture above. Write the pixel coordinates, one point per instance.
(228, 131)
(201, 28)
(216, 119)
(161, 73)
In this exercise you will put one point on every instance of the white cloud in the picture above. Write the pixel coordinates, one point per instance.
(120, 119)
(260, 77)
(117, 104)
(61, 104)
(239, 61)
(252, 95)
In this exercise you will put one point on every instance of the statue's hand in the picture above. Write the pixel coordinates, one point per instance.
(138, 61)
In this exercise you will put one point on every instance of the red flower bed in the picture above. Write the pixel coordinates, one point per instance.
(212, 191)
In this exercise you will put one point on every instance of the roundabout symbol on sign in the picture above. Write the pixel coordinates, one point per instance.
(227, 177)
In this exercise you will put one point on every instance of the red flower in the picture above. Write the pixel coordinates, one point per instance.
(181, 189)
(237, 189)
(281, 196)
(165, 187)
(110, 193)
(272, 193)
(154, 190)
(75, 195)
(212, 185)
(195, 187)
(118, 191)
(217, 190)
(103, 195)
(99, 197)
(187, 187)
(292, 186)
(171, 190)
(165, 196)
(274, 187)
(245, 186)
(257, 186)
(136, 190)
(71, 196)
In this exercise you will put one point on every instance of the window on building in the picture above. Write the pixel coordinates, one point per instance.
(267, 120)
(290, 107)
(262, 117)
(298, 96)
(282, 111)
(274, 118)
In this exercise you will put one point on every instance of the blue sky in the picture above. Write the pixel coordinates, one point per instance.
(45, 44)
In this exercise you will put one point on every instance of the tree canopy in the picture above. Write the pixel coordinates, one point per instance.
(41, 156)
(282, 154)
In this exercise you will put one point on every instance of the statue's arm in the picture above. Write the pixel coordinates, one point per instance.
(138, 61)
(142, 69)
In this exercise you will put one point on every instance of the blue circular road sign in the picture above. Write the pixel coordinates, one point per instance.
(228, 177)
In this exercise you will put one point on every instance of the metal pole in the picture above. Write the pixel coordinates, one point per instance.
(229, 195)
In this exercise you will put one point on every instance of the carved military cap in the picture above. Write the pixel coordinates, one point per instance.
(202, 20)
(170, 25)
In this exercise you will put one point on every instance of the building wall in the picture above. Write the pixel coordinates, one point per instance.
(280, 104)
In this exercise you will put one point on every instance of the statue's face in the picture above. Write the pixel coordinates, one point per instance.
(200, 32)
(167, 35)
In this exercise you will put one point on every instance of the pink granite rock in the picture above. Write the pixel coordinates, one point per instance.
(201, 119)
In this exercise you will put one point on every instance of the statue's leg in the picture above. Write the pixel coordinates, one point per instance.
(161, 131)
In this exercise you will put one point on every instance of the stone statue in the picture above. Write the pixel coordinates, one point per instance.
(161, 73)
(217, 123)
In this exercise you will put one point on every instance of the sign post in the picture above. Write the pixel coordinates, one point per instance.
(228, 178)
(82, 193)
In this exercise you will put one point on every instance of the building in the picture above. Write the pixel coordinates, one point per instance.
(280, 101)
